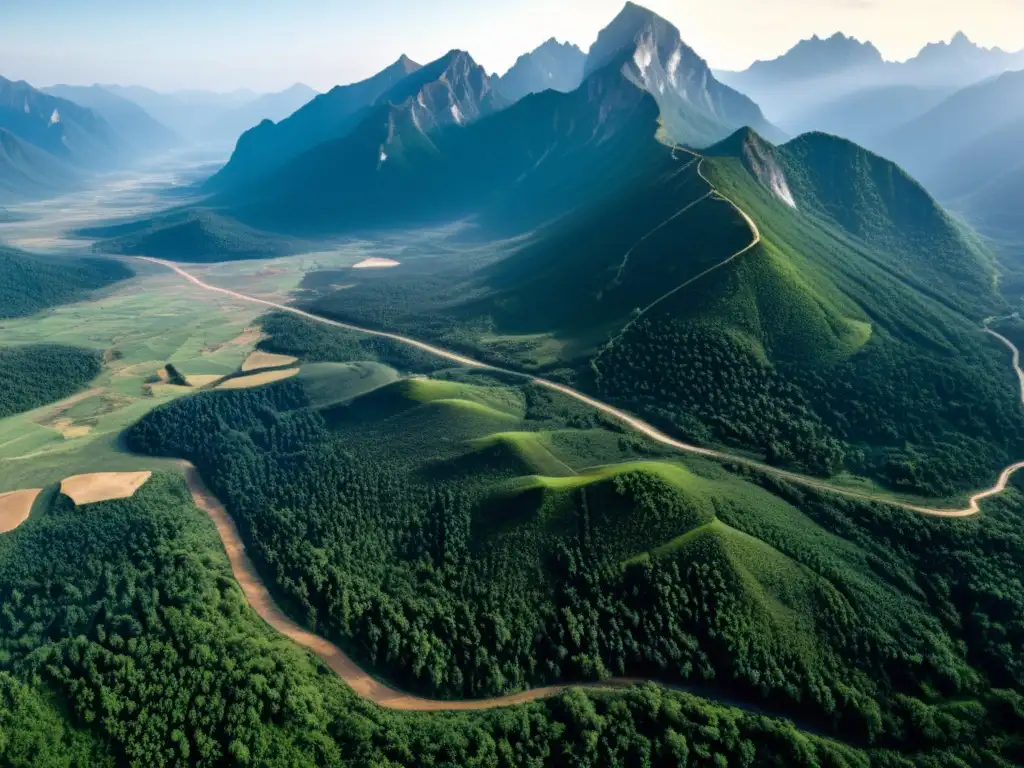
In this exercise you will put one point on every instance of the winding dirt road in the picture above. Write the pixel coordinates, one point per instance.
(364, 685)
(371, 689)
(634, 422)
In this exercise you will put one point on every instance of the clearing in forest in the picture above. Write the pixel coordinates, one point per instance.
(259, 359)
(375, 262)
(257, 379)
(103, 486)
(14, 508)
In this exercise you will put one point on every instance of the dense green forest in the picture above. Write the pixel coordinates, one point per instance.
(38, 374)
(125, 640)
(191, 235)
(474, 570)
(30, 283)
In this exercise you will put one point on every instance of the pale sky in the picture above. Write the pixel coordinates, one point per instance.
(269, 44)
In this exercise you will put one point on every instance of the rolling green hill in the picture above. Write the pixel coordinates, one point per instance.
(190, 236)
(30, 283)
(507, 547)
(848, 338)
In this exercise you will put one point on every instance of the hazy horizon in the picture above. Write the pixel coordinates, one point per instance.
(215, 45)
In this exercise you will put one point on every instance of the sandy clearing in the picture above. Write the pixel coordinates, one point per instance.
(103, 486)
(15, 507)
(375, 262)
(69, 430)
(202, 379)
(257, 379)
(260, 359)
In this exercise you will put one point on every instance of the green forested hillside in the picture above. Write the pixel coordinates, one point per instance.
(35, 375)
(464, 536)
(30, 283)
(195, 236)
(124, 640)
(849, 338)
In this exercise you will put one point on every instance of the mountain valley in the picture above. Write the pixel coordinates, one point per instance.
(613, 410)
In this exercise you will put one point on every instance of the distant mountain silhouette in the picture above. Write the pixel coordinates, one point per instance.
(813, 58)
(135, 127)
(843, 86)
(267, 146)
(959, 62)
(553, 65)
(190, 114)
(969, 152)
(270, 106)
(925, 146)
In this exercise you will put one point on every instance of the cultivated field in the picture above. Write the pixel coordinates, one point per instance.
(259, 359)
(258, 379)
(103, 486)
(15, 507)
(141, 326)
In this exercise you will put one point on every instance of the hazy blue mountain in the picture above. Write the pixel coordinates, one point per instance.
(843, 86)
(927, 145)
(27, 172)
(190, 114)
(553, 65)
(135, 127)
(268, 145)
(65, 130)
(696, 109)
(957, 63)
(815, 57)
(865, 115)
(270, 106)
(969, 152)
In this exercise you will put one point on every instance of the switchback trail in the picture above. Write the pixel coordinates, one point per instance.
(635, 422)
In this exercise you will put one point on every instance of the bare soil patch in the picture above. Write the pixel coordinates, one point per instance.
(258, 379)
(103, 486)
(259, 359)
(69, 430)
(247, 338)
(375, 262)
(14, 508)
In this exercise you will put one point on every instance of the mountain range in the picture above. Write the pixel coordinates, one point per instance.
(48, 144)
(843, 85)
(449, 115)
(968, 151)
(267, 146)
(135, 127)
(216, 118)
